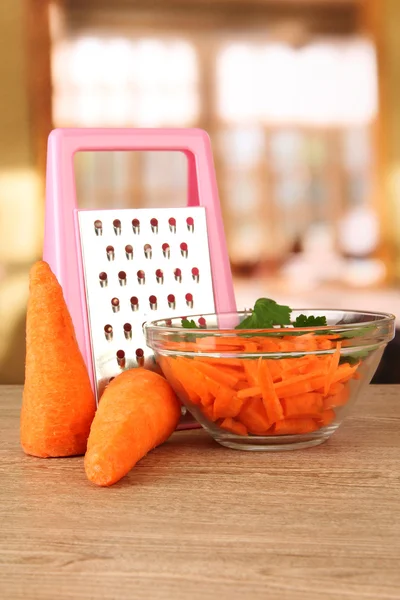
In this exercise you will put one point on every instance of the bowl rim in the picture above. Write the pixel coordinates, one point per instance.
(384, 318)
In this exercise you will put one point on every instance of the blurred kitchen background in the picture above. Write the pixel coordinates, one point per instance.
(301, 99)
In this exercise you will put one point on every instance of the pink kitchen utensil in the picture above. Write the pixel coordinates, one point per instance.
(121, 267)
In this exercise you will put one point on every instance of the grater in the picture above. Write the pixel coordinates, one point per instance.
(121, 267)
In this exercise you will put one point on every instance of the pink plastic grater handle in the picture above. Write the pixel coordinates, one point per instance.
(62, 243)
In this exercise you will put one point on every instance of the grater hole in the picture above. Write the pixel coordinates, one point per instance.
(202, 322)
(115, 304)
(134, 303)
(129, 252)
(196, 274)
(122, 278)
(172, 224)
(141, 277)
(168, 322)
(136, 225)
(166, 250)
(140, 357)
(117, 226)
(178, 275)
(190, 224)
(189, 300)
(108, 332)
(98, 227)
(171, 300)
(103, 279)
(121, 358)
(110, 252)
(184, 249)
(148, 251)
(128, 331)
(160, 276)
(154, 225)
(153, 302)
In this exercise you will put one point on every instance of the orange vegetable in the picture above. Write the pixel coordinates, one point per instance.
(332, 368)
(310, 405)
(233, 426)
(339, 398)
(226, 404)
(58, 403)
(272, 406)
(326, 417)
(294, 426)
(138, 411)
(190, 385)
(249, 392)
(254, 417)
(251, 369)
(217, 374)
(296, 394)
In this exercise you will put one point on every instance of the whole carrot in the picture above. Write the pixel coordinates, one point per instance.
(58, 403)
(137, 412)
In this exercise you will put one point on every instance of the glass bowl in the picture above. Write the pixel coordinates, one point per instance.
(270, 389)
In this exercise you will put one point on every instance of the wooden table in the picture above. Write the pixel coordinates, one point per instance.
(196, 521)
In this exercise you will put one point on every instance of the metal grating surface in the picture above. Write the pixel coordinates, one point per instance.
(140, 265)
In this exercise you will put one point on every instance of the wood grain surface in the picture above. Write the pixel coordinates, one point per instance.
(195, 521)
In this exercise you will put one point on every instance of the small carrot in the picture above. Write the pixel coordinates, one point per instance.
(254, 417)
(216, 374)
(251, 370)
(270, 398)
(294, 426)
(303, 405)
(226, 404)
(233, 426)
(58, 403)
(326, 417)
(332, 368)
(249, 392)
(138, 411)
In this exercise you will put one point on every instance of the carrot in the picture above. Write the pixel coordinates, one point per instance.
(254, 417)
(251, 369)
(208, 412)
(259, 393)
(241, 385)
(326, 417)
(138, 411)
(167, 369)
(300, 385)
(294, 426)
(332, 368)
(233, 363)
(233, 426)
(274, 368)
(339, 398)
(344, 372)
(216, 374)
(226, 405)
(303, 405)
(249, 392)
(270, 398)
(189, 385)
(58, 402)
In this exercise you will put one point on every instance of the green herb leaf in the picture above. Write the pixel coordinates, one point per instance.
(186, 324)
(311, 321)
(266, 314)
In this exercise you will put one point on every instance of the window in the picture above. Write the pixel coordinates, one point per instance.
(123, 82)
(290, 127)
